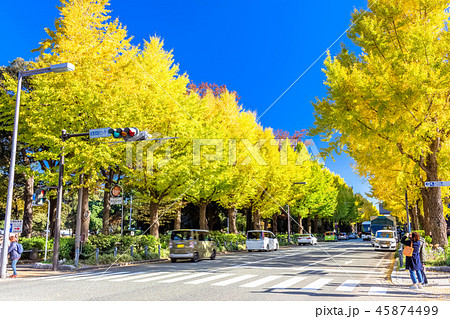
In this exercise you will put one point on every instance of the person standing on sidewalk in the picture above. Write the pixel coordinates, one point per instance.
(413, 263)
(14, 254)
(423, 244)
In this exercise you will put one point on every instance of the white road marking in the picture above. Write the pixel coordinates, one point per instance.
(114, 276)
(96, 275)
(65, 277)
(316, 285)
(348, 262)
(377, 290)
(287, 283)
(260, 281)
(141, 276)
(186, 277)
(338, 270)
(159, 277)
(233, 280)
(348, 285)
(54, 277)
(203, 280)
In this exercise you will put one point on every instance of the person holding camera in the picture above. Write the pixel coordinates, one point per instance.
(413, 263)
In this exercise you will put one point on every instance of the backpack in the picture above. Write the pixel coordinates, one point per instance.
(19, 248)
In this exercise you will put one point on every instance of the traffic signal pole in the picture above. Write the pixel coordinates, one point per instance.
(55, 258)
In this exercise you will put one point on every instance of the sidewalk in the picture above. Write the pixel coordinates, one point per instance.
(27, 270)
(438, 279)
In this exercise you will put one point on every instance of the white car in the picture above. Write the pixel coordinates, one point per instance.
(385, 239)
(261, 240)
(307, 239)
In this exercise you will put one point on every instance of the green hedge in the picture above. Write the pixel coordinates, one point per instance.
(36, 242)
(105, 244)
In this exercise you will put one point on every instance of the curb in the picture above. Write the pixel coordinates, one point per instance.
(439, 268)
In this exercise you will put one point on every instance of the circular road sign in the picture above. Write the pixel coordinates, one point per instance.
(116, 191)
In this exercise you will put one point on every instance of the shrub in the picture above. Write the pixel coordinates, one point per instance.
(67, 248)
(105, 243)
(36, 242)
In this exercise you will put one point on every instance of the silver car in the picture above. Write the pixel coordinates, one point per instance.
(193, 244)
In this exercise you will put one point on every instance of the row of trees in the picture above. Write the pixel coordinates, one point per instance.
(221, 154)
(388, 107)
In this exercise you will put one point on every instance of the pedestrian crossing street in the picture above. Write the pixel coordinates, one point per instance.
(224, 279)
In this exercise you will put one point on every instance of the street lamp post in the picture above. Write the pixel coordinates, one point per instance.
(55, 69)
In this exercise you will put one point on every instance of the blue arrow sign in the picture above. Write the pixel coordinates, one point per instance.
(99, 132)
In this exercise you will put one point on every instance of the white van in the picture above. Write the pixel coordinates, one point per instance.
(385, 239)
(261, 240)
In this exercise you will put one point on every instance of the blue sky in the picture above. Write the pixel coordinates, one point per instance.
(257, 48)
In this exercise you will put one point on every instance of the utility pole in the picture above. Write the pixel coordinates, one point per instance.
(289, 224)
(78, 225)
(131, 207)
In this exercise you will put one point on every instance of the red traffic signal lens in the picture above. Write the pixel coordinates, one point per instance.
(131, 131)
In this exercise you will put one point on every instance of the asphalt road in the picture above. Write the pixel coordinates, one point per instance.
(342, 271)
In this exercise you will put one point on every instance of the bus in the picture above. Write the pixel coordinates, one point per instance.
(365, 230)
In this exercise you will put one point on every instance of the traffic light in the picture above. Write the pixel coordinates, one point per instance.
(129, 134)
(39, 197)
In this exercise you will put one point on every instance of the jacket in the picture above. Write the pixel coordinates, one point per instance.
(413, 262)
(13, 251)
(422, 250)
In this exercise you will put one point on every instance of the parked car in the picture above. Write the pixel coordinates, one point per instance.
(352, 236)
(309, 239)
(385, 239)
(194, 244)
(342, 236)
(261, 240)
(330, 236)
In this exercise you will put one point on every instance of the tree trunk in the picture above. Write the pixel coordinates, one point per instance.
(232, 213)
(413, 217)
(266, 223)
(107, 202)
(177, 222)
(256, 220)
(275, 223)
(316, 224)
(154, 222)
(85, 214)
(420, 217)
(432, 202)
(249, 223)
(308, 225)
(435, 224)
(300, 224)
(28, 207)
(202, 220)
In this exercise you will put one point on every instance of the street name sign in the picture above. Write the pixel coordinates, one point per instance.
(437, 184)
(99, 132)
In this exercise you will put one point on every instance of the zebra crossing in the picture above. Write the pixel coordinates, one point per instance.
(216, 279)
